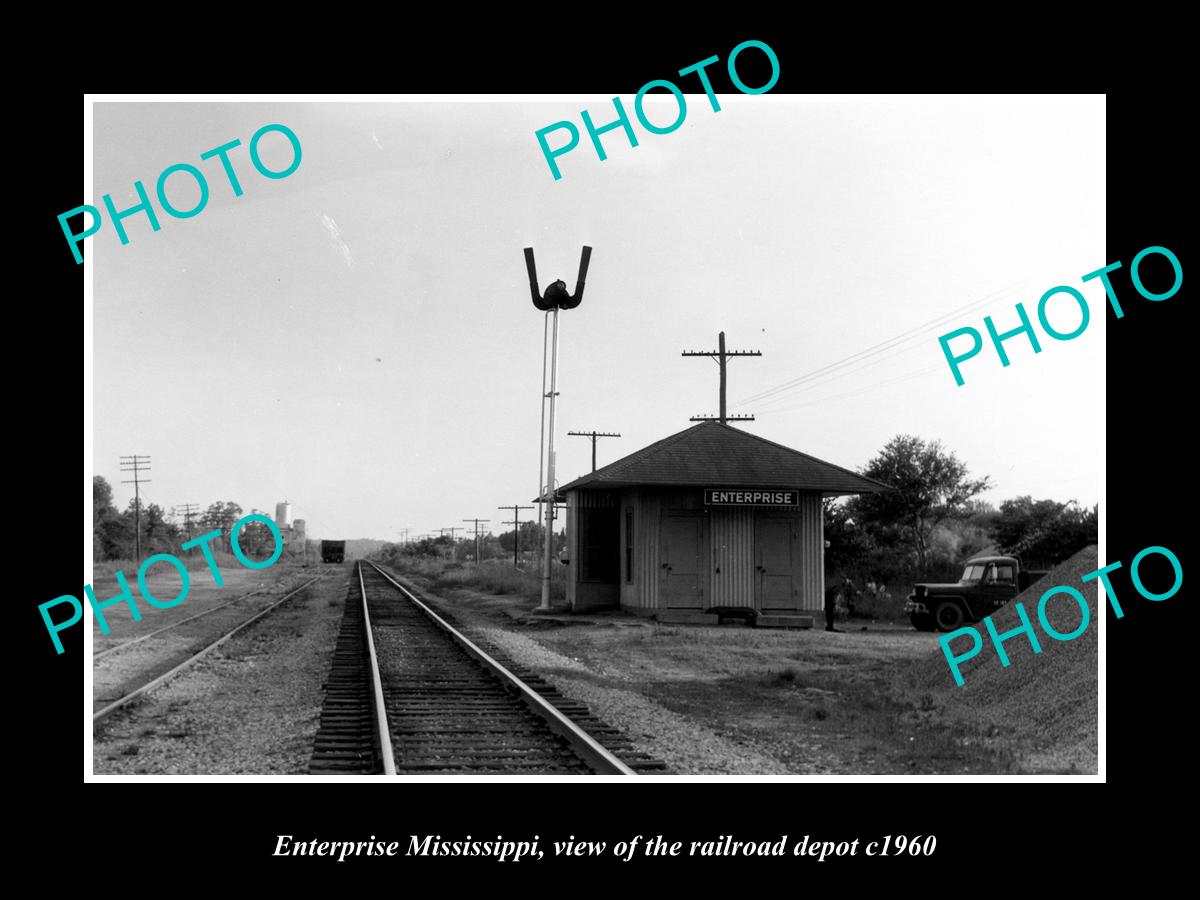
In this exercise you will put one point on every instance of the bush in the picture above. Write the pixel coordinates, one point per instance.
(875, 601)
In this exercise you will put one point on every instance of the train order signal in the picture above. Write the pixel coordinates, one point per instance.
(556, 294)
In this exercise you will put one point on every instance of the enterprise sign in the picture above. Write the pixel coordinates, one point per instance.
(742, 497)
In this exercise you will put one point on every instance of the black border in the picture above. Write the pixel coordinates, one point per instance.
(235, 825)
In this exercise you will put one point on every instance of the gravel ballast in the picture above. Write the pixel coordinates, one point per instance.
(155, 645)
(684, 745)
(251, 707)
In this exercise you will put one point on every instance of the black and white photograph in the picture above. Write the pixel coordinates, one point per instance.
(688, 435)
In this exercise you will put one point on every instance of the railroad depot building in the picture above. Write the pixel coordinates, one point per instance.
(711, 520)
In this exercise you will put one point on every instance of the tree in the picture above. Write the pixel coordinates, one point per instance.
(107, 526)
(436, 548)
(158, 535)
(1043, 530)
(847, 541)
(532, 537)
(256, 541)
(102, 505)
(931, 486)
(221, 517)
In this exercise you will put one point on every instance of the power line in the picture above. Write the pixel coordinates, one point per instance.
(830, 369)
(888, 382)
(831, 378)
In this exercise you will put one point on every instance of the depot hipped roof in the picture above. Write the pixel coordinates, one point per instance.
(712, 454)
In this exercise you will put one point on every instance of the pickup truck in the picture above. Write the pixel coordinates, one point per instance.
(986, 584)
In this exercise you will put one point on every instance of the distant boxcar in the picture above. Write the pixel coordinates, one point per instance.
(333, 551)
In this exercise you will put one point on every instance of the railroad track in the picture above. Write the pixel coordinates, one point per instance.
(111, 707)
(208, 612)
(410, 694)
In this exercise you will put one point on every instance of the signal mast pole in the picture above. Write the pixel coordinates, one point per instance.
(554, 298)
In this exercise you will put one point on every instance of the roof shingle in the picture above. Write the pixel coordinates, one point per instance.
(711, 454)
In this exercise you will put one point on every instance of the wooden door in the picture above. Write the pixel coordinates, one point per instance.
(774, 551)
(681, 562)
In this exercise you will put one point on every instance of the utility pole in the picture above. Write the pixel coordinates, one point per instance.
(188, 511)
(453, 546)
(136, 464)
(516, 524)
(721, 356)
(593, 435)
(477, 521)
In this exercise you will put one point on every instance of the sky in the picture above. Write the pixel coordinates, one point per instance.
(358, 338)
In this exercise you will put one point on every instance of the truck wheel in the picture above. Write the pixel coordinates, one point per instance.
(948, 615)
(921, 621)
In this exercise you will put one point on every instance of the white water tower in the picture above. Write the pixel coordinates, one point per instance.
(283, 514)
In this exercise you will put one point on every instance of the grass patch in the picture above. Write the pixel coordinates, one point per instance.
(814, 703)
(488, 577)
(192, 560)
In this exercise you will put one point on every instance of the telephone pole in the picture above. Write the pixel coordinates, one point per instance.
(593, 435)
(516, 524)
(188, 511)
(136, 464)
(721, 356)
(477, 521)
(453, 546)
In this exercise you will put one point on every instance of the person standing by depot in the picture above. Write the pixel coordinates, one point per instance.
(831, 594)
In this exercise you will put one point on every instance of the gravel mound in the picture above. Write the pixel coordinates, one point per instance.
(1051, 697)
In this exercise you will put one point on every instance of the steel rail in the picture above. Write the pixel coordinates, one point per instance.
(588, 748)
(149, 686)
(381, 722)
(143, 637)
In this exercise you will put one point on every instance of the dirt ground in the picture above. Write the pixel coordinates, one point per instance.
(735, 700)
(250, 707)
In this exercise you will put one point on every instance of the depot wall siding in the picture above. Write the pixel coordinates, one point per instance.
(731, 537)
(811, 575)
